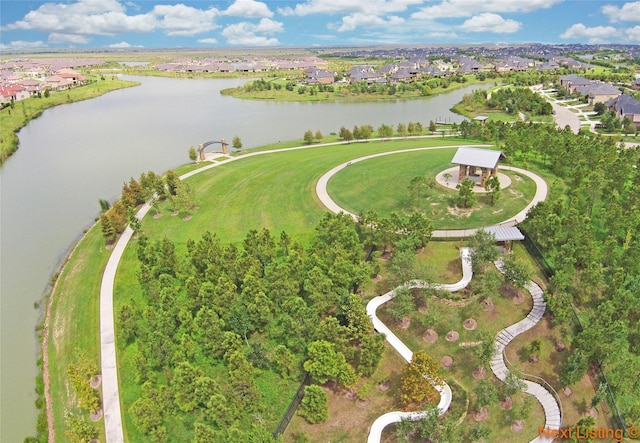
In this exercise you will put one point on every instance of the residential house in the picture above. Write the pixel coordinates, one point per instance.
(12, 92)
(319, 76)
(626, 106)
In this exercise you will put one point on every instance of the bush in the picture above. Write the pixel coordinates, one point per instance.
(314, 406)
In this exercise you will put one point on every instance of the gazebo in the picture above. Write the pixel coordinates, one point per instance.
(470, 159)
(505, 235)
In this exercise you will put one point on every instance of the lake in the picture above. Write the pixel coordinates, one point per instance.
(78, 153)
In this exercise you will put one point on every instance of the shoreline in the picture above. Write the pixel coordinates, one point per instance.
(12, 124)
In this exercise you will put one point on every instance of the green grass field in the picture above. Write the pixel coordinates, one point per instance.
(274, 191)
(382, 184)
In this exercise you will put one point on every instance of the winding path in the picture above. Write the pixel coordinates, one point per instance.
(110, 385)
(445, 391)
(541, 192)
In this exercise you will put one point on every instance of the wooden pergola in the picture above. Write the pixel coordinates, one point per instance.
(472, 159)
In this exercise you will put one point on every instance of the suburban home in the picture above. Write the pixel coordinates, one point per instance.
(72, 75)
(626, 106)
(602, 93)
(15, 92)
(401, 76)
(319, 76)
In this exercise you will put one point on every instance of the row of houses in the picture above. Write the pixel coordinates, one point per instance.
(597, 91)
(18, 87)
(245, 64)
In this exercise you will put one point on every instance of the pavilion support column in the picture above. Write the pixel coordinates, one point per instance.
(483, 177)
(201, 151)
(462, 173)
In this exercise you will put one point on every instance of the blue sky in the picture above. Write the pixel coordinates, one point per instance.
(238, 23)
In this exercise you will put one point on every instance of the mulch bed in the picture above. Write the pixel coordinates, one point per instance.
(487, 305)
(506, 403)
(470, 324)
(187, 217)
(517, 426)
(95, 381)
(446, 361)
(452, 336)
(481, 415)
(430, 336)
(479, 373)
(95, 416)
(405, 323)
(384, 386)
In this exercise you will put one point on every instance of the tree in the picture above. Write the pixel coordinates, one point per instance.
(236, 143)
(483, 250)
(485, 350)
(385, 131)
(466, 196)
(492, 185)
(402, 304)
(308, 137)
(193, 155)
(402, 130)
(134, 221)
(325, 363)
(371, 351)
(318, 135)
(172, 180)
(432, 126)
(486, 393)
(345, 134)
(108, 231)
(419, 379)
(284, 362)
(418, 186)
(516, 272)
(314, 406)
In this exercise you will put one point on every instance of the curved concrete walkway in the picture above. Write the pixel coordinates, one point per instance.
(108, 363)
(552, 412)
(541, 193)
(446, 395)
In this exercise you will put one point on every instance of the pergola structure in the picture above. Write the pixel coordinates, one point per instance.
(472, 159)
(505, 235)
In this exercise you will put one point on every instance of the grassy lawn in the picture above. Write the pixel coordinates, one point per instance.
(275, 191)
(12, 120)
(382, 184)
(74, 328)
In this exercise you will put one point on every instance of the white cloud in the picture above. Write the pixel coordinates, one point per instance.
(594, 35)
(488, 22)
(184, 20)
(468, 8)
(208, 41)
(22, 44)
(443, 35)
(123, 45)
(371, 7)
(248, 9)
(77, 22)
(633, 34)
(246, 34)
(351, 22)
(71, 39)
(629, 12)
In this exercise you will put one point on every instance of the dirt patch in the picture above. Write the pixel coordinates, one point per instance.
(174, 213)
(422, 309)
(517, 426)
(96, 415)
(158, 215)
(452, 336)
(470, 324)
(567, 391)
(362, 403)
(487, 305)
(187, 217)
(95, 381)
(377, 278)
(593, 412)
(384, 386)
(351, 395)
(560, 346)
(516, 296)
(430, 336)
(195, 208)
(446, 361)
(479, 373)
(460, 212)
(481, 415)
(506, 403)
(405, 323)
(516, 194)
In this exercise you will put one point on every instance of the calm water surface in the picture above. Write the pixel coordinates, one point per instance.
(75, 154)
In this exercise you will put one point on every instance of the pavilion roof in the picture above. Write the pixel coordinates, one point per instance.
(505, 233)
(483, 158)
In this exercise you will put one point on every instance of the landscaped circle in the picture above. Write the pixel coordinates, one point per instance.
(383, 184)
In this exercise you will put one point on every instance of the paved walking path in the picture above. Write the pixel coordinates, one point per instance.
(109, 368)
(110, 391)
(552, 411)
(541, 193)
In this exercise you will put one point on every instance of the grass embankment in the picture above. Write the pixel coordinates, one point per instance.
(12, 119)
(74, 328)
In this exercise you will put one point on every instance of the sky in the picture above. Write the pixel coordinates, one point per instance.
(30, 24)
